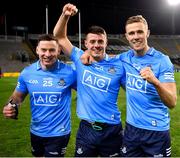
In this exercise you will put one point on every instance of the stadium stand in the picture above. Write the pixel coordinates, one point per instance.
(17, 51)
(169, 45)
(15, 54)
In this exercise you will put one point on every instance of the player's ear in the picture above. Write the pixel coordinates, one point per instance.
(59, 49)
(126, 35)
(37, 50)
(85, 43)
(148, 33)
(106, 42)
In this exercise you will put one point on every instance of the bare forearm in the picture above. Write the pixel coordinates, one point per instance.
(10, 110)
(60, 29)
(167, 93)
(17, 97)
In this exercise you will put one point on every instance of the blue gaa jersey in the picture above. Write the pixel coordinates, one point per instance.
(50, 98)
(97, 88)
(144, 107)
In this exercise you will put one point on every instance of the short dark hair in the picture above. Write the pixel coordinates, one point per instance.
(96, 30)
(47, 37)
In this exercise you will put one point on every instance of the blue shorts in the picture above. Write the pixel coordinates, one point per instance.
(49, 146)
(98, 139)
(139, 142)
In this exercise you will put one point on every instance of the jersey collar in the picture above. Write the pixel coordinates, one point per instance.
(57, 65)
(149, 52)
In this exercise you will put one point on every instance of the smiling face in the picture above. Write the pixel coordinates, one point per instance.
(137, 34)
(97, 44)
(48, 51)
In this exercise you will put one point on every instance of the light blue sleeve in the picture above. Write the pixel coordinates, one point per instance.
(166, 70)
(21, 85)
(76, 54)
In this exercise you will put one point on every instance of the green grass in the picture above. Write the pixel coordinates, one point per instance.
(14, 134)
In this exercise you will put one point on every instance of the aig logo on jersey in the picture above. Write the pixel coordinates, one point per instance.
(96, 81)
(136, 83)
(47, 98)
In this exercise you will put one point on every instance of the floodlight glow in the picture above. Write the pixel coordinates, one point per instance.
(173, 2)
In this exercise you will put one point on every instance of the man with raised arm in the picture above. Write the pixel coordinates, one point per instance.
(100, 129)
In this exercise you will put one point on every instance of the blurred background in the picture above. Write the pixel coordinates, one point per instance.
(22, 21)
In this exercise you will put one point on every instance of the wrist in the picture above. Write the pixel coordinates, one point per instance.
(157, 83)
(15, 107)
(63, 15)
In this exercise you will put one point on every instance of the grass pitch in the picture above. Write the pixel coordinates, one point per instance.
(15, 137)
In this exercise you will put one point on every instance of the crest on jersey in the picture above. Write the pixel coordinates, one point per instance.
(112, 70)
(124, 150)
(61, 82)
(79, 151)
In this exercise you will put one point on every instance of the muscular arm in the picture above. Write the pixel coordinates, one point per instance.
(17, 98)
(60, 29)
(166, 91)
